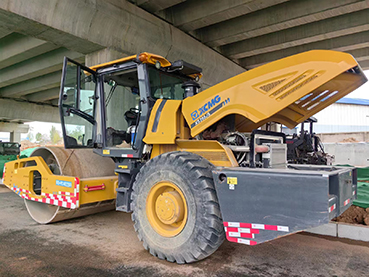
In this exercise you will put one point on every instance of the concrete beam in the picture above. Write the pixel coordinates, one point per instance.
(54, 102)
(192, 15)
(277, 18)
(360, 54)
(4, 33)
(16, 48)
(15, 130)
(45, 95)
(154, 6)
(24, 111)
(344, 43)
(116, 24)
(35, 67)
(103, 56)
(31, 27)
(364, 65)
(13, 127)
(308, 33)
(51, 80)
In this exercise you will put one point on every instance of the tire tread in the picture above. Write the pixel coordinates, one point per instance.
(212, 226)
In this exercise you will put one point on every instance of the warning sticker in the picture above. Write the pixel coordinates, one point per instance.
(232, 180)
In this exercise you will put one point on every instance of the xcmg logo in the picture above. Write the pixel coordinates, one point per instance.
(196, 114)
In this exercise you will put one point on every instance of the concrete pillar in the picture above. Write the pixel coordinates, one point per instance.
(15, 136)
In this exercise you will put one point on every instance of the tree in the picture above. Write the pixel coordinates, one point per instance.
(77, 133)
(30, 136)
(54, 135)
(38, 137)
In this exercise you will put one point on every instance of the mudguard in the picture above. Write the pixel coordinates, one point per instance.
(260, 205)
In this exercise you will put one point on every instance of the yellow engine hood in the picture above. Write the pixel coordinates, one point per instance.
(287, 91)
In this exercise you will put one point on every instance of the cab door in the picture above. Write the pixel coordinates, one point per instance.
(78, 105)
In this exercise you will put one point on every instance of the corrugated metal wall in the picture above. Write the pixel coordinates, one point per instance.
(342, 118)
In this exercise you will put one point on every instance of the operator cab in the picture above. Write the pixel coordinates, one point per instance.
(107, 107)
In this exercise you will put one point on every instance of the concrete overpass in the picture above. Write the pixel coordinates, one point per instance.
(223, 37)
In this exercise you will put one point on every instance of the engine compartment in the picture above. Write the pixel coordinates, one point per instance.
(256, 149)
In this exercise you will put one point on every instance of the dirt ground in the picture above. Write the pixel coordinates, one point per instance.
(106, 245)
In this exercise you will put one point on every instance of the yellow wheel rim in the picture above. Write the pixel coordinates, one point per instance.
(166, 209)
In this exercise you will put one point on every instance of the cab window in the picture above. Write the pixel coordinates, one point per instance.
(122, 108)
(164, 86)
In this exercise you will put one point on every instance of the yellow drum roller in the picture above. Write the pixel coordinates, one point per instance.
(58, 184)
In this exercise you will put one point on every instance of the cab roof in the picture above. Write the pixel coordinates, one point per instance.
(149, 59)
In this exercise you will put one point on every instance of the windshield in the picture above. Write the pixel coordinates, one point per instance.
(165, 86)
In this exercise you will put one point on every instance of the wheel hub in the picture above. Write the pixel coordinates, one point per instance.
(170, 207)
(166, 209)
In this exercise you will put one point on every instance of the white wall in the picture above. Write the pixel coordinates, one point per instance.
(349, 153)
(342, 118)
(4, 136)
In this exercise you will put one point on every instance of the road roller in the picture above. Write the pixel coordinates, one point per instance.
(194, 167)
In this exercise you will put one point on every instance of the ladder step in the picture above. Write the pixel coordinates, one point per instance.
(124, 190)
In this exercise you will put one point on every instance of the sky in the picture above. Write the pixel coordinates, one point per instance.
(35, 127)
(44, 127)
(363, 91)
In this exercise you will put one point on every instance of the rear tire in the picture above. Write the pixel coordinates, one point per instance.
(201, 232)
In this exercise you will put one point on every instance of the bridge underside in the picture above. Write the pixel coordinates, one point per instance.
(223, 37)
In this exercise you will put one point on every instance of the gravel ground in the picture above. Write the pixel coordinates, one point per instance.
(106, 245)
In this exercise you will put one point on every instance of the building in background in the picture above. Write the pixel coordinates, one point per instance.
(346, 115)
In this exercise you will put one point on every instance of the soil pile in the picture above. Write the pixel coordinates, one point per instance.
(348, 140)
(25, 144)
(354, 215)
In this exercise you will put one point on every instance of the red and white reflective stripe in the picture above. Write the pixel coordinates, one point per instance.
(238, 231)
(353, 193)
(240, 235)
(24, 190)
(346, 202)
(20, 190)
(127, 155)
(65, 193)
(241, 230)
(76, 190)
(4, 172)
(63, 204)
(70, 201)
(331, 208)
(244, 241)
(257, 226)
